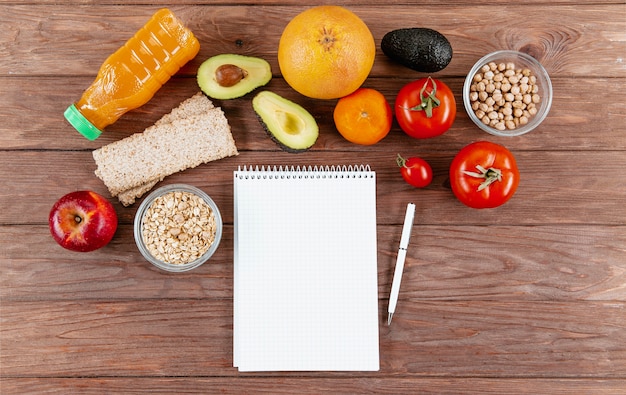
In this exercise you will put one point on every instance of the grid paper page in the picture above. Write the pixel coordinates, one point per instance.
(306, 295)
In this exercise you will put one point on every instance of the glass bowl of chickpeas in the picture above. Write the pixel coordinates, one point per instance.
(507, 93)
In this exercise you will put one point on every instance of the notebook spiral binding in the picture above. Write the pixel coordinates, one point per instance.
(303, 172)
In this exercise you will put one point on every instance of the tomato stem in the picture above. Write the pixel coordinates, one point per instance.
(429, 100)
(490, 176)
(400, 161)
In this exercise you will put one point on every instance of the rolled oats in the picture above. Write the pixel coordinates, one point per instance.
(178, 227)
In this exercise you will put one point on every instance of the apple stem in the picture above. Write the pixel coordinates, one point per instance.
(78, 219)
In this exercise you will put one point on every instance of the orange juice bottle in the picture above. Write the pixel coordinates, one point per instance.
(134, 73)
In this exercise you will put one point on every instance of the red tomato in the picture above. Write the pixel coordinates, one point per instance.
(416, 171)
(425, 108)
(484, 175)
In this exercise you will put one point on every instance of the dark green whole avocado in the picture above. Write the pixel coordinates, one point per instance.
(288, 124)
(418, 48)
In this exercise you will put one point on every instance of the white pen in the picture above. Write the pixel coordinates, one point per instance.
(397, 274)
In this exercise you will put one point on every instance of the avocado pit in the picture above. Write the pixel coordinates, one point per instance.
(228, 75)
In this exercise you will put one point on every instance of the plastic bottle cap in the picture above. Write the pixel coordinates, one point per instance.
(80, 123)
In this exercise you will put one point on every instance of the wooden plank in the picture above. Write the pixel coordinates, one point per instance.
(29, 193)
(444, 263)
(337, 386)
(73, 31)
(345, 3)
(576, 121)
(528, 298)
(193, 337)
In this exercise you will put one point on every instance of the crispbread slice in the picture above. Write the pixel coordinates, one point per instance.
(163, 149)
(129, 196)
(196, 104)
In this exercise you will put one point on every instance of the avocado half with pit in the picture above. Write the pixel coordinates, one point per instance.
(229, 76)
(288, 124)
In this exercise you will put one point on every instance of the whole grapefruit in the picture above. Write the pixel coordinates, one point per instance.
(326, 52)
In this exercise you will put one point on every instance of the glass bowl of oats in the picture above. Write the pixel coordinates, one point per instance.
(507, 93)
(177, 227)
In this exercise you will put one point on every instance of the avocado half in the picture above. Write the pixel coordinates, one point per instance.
(418, 48)
(288, 124)
(229, 76)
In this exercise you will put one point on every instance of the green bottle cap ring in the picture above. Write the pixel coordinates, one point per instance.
(80, 123)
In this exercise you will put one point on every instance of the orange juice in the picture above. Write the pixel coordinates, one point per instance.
(131, 76)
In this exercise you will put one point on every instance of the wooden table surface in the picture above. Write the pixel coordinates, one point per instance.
(526, 298)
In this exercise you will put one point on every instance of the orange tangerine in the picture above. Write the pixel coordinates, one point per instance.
(363, 117)
(326, 52)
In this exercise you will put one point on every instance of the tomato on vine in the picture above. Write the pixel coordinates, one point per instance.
(415, 171)
(484, 175)
(425, 108)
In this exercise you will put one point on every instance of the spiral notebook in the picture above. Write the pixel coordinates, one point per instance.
(305, 269)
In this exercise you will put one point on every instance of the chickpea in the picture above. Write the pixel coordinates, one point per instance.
(503, 96)
(523, 88)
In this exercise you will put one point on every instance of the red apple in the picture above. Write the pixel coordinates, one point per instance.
(82, 221)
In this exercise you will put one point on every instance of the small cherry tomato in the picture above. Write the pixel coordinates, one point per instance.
(415, 171)
(484, 175)
(425, 108)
